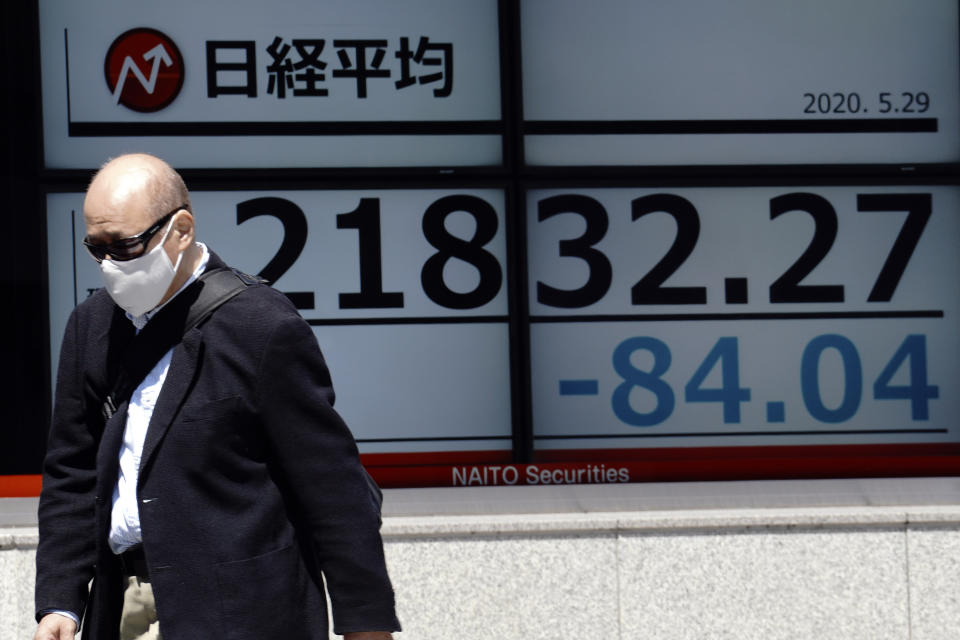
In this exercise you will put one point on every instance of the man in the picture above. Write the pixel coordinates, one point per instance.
(210, 502)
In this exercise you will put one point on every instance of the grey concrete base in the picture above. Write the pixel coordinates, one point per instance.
(18, 547)
(844, 573)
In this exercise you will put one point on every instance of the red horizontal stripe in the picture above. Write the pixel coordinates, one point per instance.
(445, 468)
(419, 458)
(26, 486)
(665, 471)
(677, 464)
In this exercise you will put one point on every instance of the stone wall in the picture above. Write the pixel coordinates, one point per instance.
(844, 573)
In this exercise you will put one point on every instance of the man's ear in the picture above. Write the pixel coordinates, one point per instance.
(183, 227)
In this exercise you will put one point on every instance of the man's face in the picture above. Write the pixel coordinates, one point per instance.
(117, 207)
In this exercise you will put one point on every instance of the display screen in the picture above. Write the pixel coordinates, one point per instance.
(708, 317)
(720, 319)
(406, 291)
(266, 85)
(746, 82)
(549, 241)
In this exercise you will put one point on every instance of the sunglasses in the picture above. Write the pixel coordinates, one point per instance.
(128, 248)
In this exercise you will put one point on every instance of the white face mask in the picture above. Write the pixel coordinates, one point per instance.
(138, 285)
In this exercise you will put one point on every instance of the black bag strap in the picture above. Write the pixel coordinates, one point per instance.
(166, 329)
(219, 286)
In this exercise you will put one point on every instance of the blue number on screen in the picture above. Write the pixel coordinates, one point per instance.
(730, 393)
(810, 378)
(918, 392)
(649, 380)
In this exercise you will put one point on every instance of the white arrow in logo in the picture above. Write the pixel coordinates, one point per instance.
(158, 54)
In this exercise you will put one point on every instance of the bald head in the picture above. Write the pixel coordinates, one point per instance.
(130, 194)
(138, 181)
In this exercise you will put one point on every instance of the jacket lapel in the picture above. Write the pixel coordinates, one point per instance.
(180, 377)
(111, 344)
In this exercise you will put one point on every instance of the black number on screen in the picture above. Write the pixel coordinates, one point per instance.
(837, 103)
(918, 207)
(600, 272)
(294, 239)
(366, 220)
(885, 105)
(920, 100)
(470, 251)
(823, 103)
(787, 288)
(649, 289)
(911, 102)
(908, 106)
(853, 103)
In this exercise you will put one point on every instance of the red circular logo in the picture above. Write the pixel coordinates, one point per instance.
(144, 70)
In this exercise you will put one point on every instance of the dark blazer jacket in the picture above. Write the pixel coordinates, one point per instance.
(250, 483)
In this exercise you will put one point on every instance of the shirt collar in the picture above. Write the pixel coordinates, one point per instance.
(141, 321)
